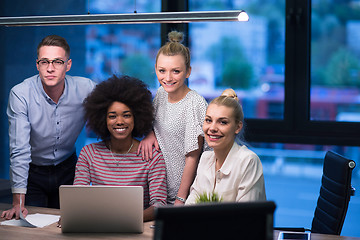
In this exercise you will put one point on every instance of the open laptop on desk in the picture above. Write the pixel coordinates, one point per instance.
(101, 208)
(245, 221)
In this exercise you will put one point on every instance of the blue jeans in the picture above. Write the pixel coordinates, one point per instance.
(44, 182)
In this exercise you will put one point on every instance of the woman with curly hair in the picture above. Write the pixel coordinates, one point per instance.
(118, 110)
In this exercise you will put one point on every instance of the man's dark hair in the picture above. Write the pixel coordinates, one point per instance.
(55, 40)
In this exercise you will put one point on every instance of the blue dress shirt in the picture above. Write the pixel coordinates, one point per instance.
(41, 131)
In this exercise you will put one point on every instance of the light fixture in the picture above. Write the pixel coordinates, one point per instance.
(131, 18)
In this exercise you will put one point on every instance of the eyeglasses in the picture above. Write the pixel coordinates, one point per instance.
(57, 63)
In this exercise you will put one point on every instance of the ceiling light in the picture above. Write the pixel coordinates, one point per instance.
(131, 18)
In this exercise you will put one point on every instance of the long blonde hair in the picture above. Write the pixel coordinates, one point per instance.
(175, 47)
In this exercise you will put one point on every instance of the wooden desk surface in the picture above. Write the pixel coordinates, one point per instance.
(53, 232)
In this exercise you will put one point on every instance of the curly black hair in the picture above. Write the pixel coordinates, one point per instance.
(127, 90)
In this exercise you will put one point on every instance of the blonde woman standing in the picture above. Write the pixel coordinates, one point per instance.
(179, 114)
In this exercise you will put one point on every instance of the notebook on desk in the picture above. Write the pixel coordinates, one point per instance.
(101, 208)
(245, 220)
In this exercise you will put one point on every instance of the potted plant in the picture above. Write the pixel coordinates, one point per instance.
(208, 197)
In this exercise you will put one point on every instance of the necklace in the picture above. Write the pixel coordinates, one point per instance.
(117, 162)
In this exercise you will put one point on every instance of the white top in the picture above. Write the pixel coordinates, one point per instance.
(239, 179)
(177, 127)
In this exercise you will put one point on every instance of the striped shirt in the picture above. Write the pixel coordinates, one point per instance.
(98, 166)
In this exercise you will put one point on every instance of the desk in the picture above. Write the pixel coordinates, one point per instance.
(53, 232)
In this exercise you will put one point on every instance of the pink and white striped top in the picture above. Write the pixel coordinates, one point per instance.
(97, 166)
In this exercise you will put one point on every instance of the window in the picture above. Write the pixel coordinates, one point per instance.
(285, 123)
(122, 48)
(335, 61)
(285, 76)
(97, 51)
(284, 96)
(310, 116)
(246, 56)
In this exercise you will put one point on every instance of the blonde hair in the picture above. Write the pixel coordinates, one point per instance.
(229, 99)
(230, 93)
(175, 47)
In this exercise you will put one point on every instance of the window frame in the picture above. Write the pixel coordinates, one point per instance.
(296, 126)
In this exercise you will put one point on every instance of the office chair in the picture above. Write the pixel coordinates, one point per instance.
(335, 193)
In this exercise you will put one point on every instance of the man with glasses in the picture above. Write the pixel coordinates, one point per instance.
(45, 118)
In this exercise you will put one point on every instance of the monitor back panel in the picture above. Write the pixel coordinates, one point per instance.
(246, 221)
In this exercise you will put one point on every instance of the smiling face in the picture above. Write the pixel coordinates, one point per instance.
(220, 127)
(171, 73)
(120, 121)
(50, 76)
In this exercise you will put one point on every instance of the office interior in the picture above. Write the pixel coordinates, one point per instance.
(295, 66)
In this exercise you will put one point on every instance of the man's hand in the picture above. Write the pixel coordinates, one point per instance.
(15, 210)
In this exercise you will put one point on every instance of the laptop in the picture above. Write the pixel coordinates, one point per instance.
(243, 220)
(101, 208)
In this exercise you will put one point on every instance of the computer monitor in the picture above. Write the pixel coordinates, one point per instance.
(242, 220)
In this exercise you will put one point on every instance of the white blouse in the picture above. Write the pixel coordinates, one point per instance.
(240, 178)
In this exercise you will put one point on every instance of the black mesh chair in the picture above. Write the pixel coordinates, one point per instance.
(335, 193)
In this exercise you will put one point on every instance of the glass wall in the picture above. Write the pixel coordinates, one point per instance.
(335, 61)
(246, 56)
(250, 57)
(97, 51)
(122, 49)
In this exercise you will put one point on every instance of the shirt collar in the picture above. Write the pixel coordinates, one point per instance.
(41, 87)
(227, 165)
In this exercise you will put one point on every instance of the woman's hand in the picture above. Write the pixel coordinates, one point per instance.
(145, 146)
(178, 203)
